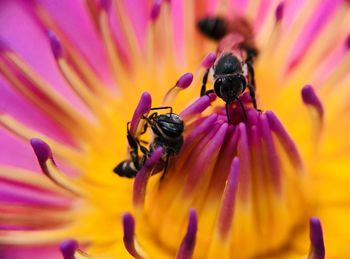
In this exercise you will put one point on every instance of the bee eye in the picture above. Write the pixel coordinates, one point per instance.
(243, 81)
(218, 83)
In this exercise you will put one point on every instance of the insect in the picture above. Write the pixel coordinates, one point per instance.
(233, 69)
(168, 131)
(129, 168)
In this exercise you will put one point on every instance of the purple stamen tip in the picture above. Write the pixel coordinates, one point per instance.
(209, 60)
(155, 11)
(279, 11)
(68, 248)
(347, 42)
(142, 108)
(41, 149)
(129, 234)
(56, 45)
(316, 238)
(189, 241)
(105, 4)
(185, 80)
(310, 98)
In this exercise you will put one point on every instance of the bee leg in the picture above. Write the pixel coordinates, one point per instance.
(251, 74)
(165, 168)
(227, 113)
(144, 129)
(144, 150)
(204, 83)
(242, 107)
(163, 108)
(211, 91)
(252, 96)
(132, 143)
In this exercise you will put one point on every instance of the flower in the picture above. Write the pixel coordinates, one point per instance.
(72, 73)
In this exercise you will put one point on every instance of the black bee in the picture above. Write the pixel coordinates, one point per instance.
(232, 71)
(168, 133)
(129, 168)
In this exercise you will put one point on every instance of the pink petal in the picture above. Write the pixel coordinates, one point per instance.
(44, 252)
(73, 18)
(18, 107)
(15, 152)
(31, 43)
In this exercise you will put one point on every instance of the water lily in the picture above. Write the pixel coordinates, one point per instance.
(272, 185)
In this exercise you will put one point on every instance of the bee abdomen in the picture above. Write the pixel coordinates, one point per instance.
(126, 168)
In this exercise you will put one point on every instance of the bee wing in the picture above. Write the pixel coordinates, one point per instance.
(230, 42)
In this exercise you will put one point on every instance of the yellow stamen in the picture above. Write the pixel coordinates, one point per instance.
(27, 133)
(129, 33)
(114, 61)
(62, 180)
(79, 86)
(35, 179)
(46, 88)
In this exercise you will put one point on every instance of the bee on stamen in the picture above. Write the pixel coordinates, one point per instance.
(168, 131)
(233, 68)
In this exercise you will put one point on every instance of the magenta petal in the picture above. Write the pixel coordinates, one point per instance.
(138, 19)
(31, 43)
(43, 252)
(20, 194)
(18, 107)
(16, 152)
(71, 15)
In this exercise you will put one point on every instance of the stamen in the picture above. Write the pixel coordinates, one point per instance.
(206, 157)
(155, 11)
(184, 81)
(74, 80)
(198, 106)
(317, 249)
(112, 54)
(245, 161)
(279, 11)
(56, 45)
(311, 99)
(29, 77)
(105, 5)
(199, 129)
(141, 180)
(189, 241)
(272, 157)
(206, 63)
(68, 248)
(225, 218)
(347, 42)
(285, 140)
(129, 235)
(48, 166)
(209, 60)
(141, 110)
(181, 84)
(77, 59)
(42, 151)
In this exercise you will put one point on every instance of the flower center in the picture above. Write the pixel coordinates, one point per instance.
(243, 179)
